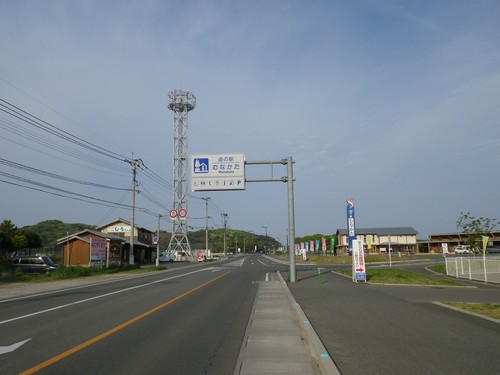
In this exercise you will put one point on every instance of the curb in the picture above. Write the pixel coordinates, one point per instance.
(316, 347)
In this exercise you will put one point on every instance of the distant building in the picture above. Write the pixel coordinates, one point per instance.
(436, 241)
(399, 239)
(76, 247)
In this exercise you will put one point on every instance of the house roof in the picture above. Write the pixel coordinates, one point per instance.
(78, 235)
(382, 231)
(111, 237)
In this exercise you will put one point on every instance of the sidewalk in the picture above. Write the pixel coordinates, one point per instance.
(279, 339)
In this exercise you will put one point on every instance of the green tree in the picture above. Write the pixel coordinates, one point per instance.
(7, 243)
(8, 227)
(5, 246)
(474, 227)
(33, 239)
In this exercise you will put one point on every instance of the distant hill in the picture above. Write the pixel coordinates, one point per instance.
(51, 230)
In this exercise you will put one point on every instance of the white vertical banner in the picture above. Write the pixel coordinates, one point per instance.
(97, 251)
(358, 261)
(444, 246)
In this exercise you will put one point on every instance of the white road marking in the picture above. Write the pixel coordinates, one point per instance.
(11, 348)
(97, 297)
(262, 262)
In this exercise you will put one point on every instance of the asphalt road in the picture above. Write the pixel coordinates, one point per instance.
(383, 329)
(186, 320)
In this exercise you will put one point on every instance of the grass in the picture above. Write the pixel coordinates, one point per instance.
(400, 276)
(369, 258)
(438, 268)
(72, 272)
(486, 309)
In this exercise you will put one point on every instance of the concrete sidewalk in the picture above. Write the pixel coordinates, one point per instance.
(279, 339)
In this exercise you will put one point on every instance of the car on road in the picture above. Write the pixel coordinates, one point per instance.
(167, 257)
(492, 249)
(34, 264)
(463, 249)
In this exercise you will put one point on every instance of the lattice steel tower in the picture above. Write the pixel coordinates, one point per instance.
(181, 102)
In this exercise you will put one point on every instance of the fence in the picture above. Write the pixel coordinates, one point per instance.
(479, 268)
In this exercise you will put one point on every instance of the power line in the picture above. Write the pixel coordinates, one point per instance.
(49, 107)
(54, 130)
(56, 176)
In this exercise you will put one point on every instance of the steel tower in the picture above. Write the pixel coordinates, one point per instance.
(180, 102)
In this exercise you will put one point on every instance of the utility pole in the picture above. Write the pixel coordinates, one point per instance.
(224, 216)
(291, 218)
(134, 163)
(206, 225)
(158, 243)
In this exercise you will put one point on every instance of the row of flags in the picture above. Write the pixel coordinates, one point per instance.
(316, 245)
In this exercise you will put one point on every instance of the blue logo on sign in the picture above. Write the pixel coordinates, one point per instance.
(201, 165)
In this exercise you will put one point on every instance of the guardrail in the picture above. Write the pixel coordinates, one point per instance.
(482, 269)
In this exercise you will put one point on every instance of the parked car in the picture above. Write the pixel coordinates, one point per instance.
(167, 257)
(34, 264)
(463, 249)
(493, 249)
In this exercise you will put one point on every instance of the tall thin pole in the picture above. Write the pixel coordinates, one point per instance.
(224, 215)
(134, 163)
(291, 219)
(206, 225)
(158, 243)
(390, 259)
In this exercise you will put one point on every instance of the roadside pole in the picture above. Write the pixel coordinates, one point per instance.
(291, 220)
(158, 244)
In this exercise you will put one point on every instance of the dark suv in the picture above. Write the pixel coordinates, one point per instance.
(493, 249)
(34, 263)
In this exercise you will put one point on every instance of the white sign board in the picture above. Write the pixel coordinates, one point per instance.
(444, 246)
(217, 172)
(358, 261)
(97, 251)
(119, 229)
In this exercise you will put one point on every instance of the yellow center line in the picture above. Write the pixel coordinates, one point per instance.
(102, 336)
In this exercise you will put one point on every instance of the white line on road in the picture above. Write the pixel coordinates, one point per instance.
(262, 262)
(11, 348)
(97, 297)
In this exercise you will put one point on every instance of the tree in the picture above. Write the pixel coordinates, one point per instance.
(475, 228)
(8, 227)
(13, 239)
(7, 243)
(33, 239)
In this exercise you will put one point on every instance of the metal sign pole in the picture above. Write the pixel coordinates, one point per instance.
(291, 220)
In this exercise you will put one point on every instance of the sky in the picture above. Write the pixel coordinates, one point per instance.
(392, 103)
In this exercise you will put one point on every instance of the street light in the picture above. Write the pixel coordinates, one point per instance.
(265, 229)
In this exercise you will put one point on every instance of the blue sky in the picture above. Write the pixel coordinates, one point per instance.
(392, 103)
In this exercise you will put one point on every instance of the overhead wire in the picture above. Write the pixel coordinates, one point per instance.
(56, 176)
(39, 124)
(54, 130)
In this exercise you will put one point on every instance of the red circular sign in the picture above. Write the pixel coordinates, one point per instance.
(172, 214)
(182, 213)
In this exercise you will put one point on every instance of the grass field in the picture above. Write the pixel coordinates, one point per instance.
(486, 309)
(400, 276)
(405, 277)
